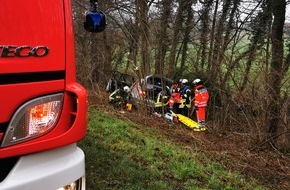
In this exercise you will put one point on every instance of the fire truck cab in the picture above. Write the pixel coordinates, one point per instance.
(43, 109)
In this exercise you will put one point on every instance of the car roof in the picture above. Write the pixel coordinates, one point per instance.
(158, 80)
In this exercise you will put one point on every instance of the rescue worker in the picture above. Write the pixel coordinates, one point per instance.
(174, 87)
(201, 97)
(120, 97)
(175, 98)
(185, 94)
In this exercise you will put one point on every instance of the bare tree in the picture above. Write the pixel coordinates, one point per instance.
(259, 26)
(211, 46)
(162, 36)
(175, 37)
(205, 21)
(142, 9)
(276, 70)
(186, 37)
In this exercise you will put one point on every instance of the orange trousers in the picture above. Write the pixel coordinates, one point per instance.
(200, 114)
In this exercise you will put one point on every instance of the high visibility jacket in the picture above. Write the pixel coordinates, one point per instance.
(201, 96)
(185, 94)
(175, 95)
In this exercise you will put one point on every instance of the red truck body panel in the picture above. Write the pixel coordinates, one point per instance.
(48, 29)
(38, 61)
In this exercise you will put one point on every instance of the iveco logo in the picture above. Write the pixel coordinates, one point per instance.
(23, 51)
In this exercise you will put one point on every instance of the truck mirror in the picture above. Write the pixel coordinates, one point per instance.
(95, 22)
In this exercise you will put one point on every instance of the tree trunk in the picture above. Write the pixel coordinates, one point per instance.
(162, 37)
(204, 30)
(210, 52)
(133, 42)
(186, 37)
(176, 35)
(142, 9)
(215, 73)
(276, 69)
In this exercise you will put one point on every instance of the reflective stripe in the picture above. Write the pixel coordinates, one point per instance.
(201, 96)
(183, 103)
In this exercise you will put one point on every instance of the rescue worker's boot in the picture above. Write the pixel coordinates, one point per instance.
(202, 123)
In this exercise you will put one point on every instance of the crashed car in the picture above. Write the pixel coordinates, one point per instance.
(119, 81)
(153, 91)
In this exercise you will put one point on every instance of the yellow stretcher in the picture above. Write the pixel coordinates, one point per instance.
(190, 123)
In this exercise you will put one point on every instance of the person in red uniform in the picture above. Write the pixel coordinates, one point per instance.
(175, 97)
(201, 97)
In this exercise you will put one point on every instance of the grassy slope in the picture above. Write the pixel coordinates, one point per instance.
(124, 155)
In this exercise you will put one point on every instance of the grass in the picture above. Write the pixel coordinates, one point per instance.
(124, 155)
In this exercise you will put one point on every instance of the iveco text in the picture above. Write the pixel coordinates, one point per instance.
(23, 51)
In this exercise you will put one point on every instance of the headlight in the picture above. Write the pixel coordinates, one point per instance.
(33, 119)
(77, 185)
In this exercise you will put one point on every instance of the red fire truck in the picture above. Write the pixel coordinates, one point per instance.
(43, 109)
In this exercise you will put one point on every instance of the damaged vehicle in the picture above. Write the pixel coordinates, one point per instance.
(119, 80)
(153, 91)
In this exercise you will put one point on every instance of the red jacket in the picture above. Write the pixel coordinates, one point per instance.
(201, 96)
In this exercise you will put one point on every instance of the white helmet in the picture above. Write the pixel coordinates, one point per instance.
(184, 81)
(126, 89)
(196, 81)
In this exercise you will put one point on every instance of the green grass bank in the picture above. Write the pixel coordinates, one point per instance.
(124, 155)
